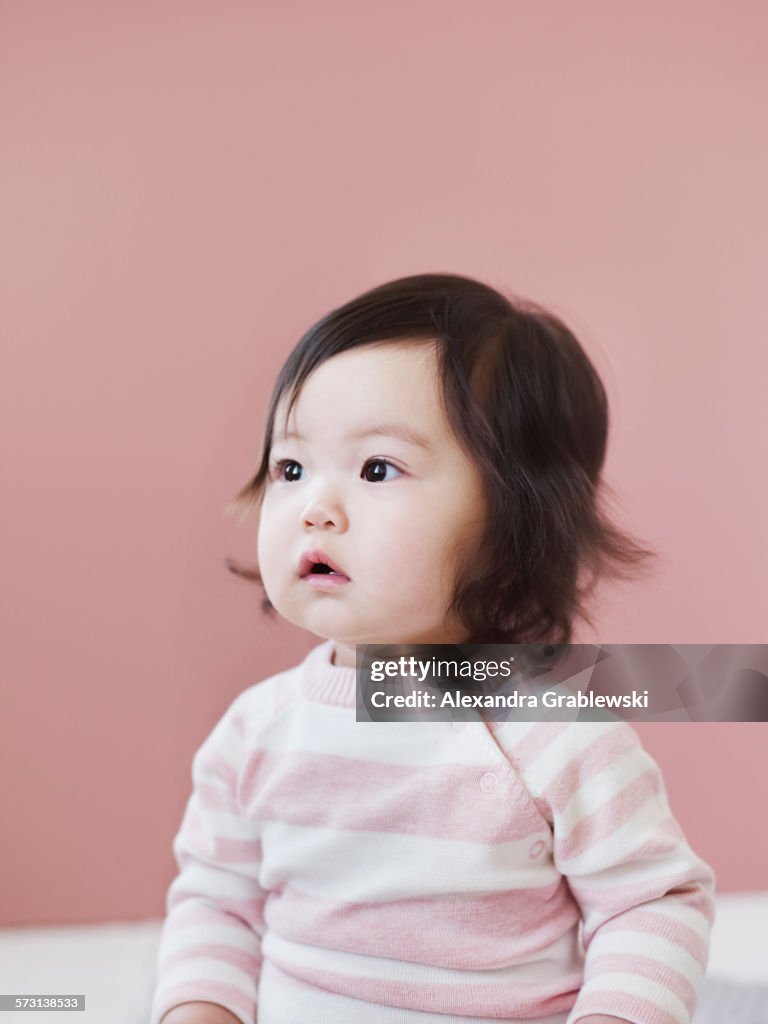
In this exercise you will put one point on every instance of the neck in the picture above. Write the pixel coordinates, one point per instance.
(344, 655)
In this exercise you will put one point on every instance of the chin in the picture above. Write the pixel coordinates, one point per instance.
(322, 626)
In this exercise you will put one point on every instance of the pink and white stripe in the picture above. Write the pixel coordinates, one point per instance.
(413, 873)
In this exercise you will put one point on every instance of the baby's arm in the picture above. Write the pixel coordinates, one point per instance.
(209, 959)
(645, 897)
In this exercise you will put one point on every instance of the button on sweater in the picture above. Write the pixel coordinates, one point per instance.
(413, 873)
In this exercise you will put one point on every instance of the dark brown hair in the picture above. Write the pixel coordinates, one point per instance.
(528, 406)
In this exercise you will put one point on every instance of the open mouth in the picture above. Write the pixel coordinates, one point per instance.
(317, 564)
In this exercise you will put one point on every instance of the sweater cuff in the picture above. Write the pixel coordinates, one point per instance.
(646, 1003)
(229, 996)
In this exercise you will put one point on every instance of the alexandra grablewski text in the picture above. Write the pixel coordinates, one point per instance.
(547, 699)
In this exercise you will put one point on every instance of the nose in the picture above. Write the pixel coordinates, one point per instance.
(324, 511)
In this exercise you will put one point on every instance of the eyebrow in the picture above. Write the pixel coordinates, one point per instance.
(396, 430)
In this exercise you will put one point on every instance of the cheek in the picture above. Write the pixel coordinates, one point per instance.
(450, 538)
(409, 568)
(268, 542)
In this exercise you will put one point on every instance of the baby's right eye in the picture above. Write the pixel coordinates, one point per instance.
(285, 469)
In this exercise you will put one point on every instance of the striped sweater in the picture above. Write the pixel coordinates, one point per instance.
(427, 872)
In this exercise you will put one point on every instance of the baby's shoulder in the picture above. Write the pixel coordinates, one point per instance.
(249, 716)
(594, 759)
(265, 700)
(532, 743)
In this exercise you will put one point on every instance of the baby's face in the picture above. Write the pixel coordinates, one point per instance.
(385, 510)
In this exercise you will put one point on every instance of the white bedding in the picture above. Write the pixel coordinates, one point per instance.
(113, 964)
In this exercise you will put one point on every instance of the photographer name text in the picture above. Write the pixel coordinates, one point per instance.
(547, 699)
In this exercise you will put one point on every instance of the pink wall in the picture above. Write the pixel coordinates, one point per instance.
(190, 186)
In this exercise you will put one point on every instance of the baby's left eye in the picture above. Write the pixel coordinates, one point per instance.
(375, 470)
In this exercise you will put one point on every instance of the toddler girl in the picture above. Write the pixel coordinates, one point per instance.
(430, 474)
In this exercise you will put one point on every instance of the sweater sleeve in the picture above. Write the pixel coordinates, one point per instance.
(646, 899)
(211, 937)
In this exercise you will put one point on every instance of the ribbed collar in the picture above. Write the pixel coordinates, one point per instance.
(325, 682)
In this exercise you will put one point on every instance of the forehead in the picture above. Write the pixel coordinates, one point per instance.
(393, 383)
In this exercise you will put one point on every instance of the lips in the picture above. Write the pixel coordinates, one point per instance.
(312, 558)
